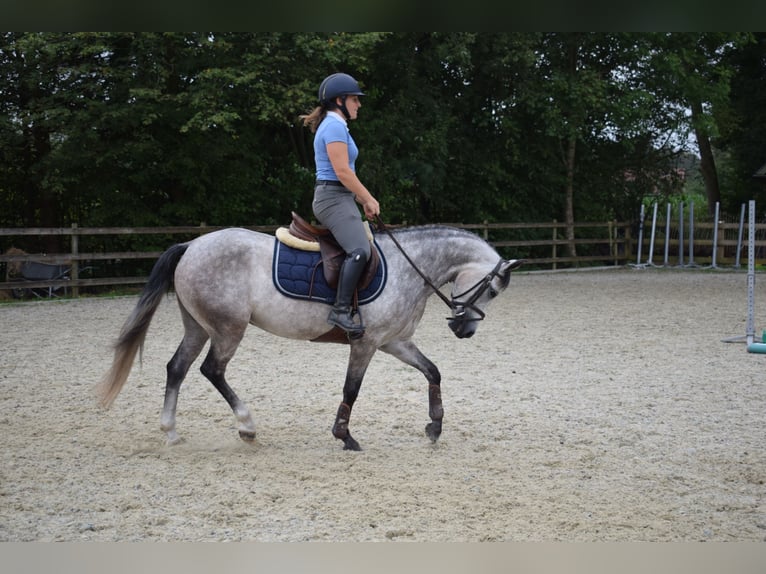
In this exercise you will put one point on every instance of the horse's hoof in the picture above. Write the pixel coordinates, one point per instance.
(174, 440)
(350, 444)
(434, 431)
(247, 436)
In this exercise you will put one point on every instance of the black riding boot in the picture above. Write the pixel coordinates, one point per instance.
(341, 313)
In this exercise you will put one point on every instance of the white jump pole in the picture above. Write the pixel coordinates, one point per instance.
(691, 234)
(640, 235)
(751, 346)
(650, 261)
(715, 235)
(749, 337)
(681, 234)
(667, 237)
(739, 236)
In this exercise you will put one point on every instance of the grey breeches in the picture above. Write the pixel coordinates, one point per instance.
(336, 208)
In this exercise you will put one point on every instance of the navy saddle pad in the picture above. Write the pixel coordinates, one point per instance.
(298, 274)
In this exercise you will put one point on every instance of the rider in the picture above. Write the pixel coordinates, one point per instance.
(338, 187)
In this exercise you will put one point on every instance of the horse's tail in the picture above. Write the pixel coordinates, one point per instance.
(133, 332)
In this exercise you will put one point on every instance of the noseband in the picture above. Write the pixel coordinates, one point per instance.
(458, 307)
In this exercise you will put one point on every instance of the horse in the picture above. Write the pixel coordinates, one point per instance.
(223, 283)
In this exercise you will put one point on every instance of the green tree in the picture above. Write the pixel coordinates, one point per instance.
(583, 114)
(691, 71)
(186, 127)
(161, 128)
(743, 123)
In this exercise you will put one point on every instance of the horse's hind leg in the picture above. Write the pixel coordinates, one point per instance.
(359, 360)
(221, 351)
(194, 340)
(408, 353)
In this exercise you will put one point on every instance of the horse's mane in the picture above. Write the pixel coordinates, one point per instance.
(442, 235)
(442, 229)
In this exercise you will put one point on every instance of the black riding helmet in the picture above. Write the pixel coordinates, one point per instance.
(335, 85)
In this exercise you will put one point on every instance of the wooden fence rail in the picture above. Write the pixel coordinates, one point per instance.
(610, 243)
(611, 240)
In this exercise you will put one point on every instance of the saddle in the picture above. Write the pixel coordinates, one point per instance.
(303, 235)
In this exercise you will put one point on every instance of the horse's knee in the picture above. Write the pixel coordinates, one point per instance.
(433, 375)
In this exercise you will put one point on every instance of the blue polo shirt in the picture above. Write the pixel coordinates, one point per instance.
(332, 129)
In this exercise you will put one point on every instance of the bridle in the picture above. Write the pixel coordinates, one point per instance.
(458, 307)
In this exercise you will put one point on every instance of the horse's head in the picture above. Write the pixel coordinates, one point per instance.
(472, 291)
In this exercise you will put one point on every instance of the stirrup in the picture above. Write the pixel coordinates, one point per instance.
(343, 318)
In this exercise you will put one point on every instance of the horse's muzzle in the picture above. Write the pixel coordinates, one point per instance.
(463, 329)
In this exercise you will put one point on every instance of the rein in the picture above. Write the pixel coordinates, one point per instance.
(457, 307)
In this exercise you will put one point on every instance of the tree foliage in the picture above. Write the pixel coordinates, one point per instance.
(117, 129)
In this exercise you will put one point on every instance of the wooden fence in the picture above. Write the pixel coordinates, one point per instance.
(607, 243)
(543, 245)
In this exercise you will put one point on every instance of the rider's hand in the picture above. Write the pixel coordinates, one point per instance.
(371, 208)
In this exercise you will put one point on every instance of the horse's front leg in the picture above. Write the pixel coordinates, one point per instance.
(340, 428)
(408, 353)
(359, 360)
(435, 411)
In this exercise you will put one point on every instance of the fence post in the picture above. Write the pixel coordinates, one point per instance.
(75, 268)
(553, 246)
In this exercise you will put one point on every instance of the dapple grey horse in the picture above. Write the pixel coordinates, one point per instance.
(223, 283)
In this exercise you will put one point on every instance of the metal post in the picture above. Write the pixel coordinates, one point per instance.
(691, 234)
(715, 234)
(640, 235)
(553, 245)
(681, 234)
(667, 237)
(650, 261)
(750, 331)
(739, 236)
(74, 272)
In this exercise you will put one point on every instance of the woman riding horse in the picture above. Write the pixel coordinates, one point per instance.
(338, 187)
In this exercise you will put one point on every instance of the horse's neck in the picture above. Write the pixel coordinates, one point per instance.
(441, 255)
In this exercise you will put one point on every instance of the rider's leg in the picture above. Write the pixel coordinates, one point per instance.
(341, 313)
